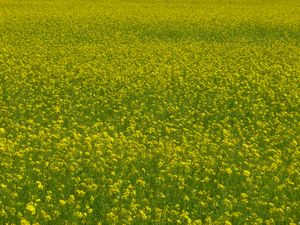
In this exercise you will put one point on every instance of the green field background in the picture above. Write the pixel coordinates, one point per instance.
(149, 112)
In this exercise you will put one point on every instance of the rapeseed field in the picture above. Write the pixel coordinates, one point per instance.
(149, 112)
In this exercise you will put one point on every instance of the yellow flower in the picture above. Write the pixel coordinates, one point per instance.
(45, 215)
(24, 222)
(71, 199)
(62, 202)
(228, 171)
(30, 207)
(186, 198)
(78, 214)
(3, 213)
(208, 220)
(197, 222)
(80, 193)
(143, 215)
(48, 198)
(244, 195)
(92, 199)
(246, 173)
(40, 185)
(14, 195)
(221, 186)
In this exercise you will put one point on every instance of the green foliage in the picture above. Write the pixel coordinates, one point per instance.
(152, 112)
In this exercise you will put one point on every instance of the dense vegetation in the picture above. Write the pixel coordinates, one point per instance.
(149, 112)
